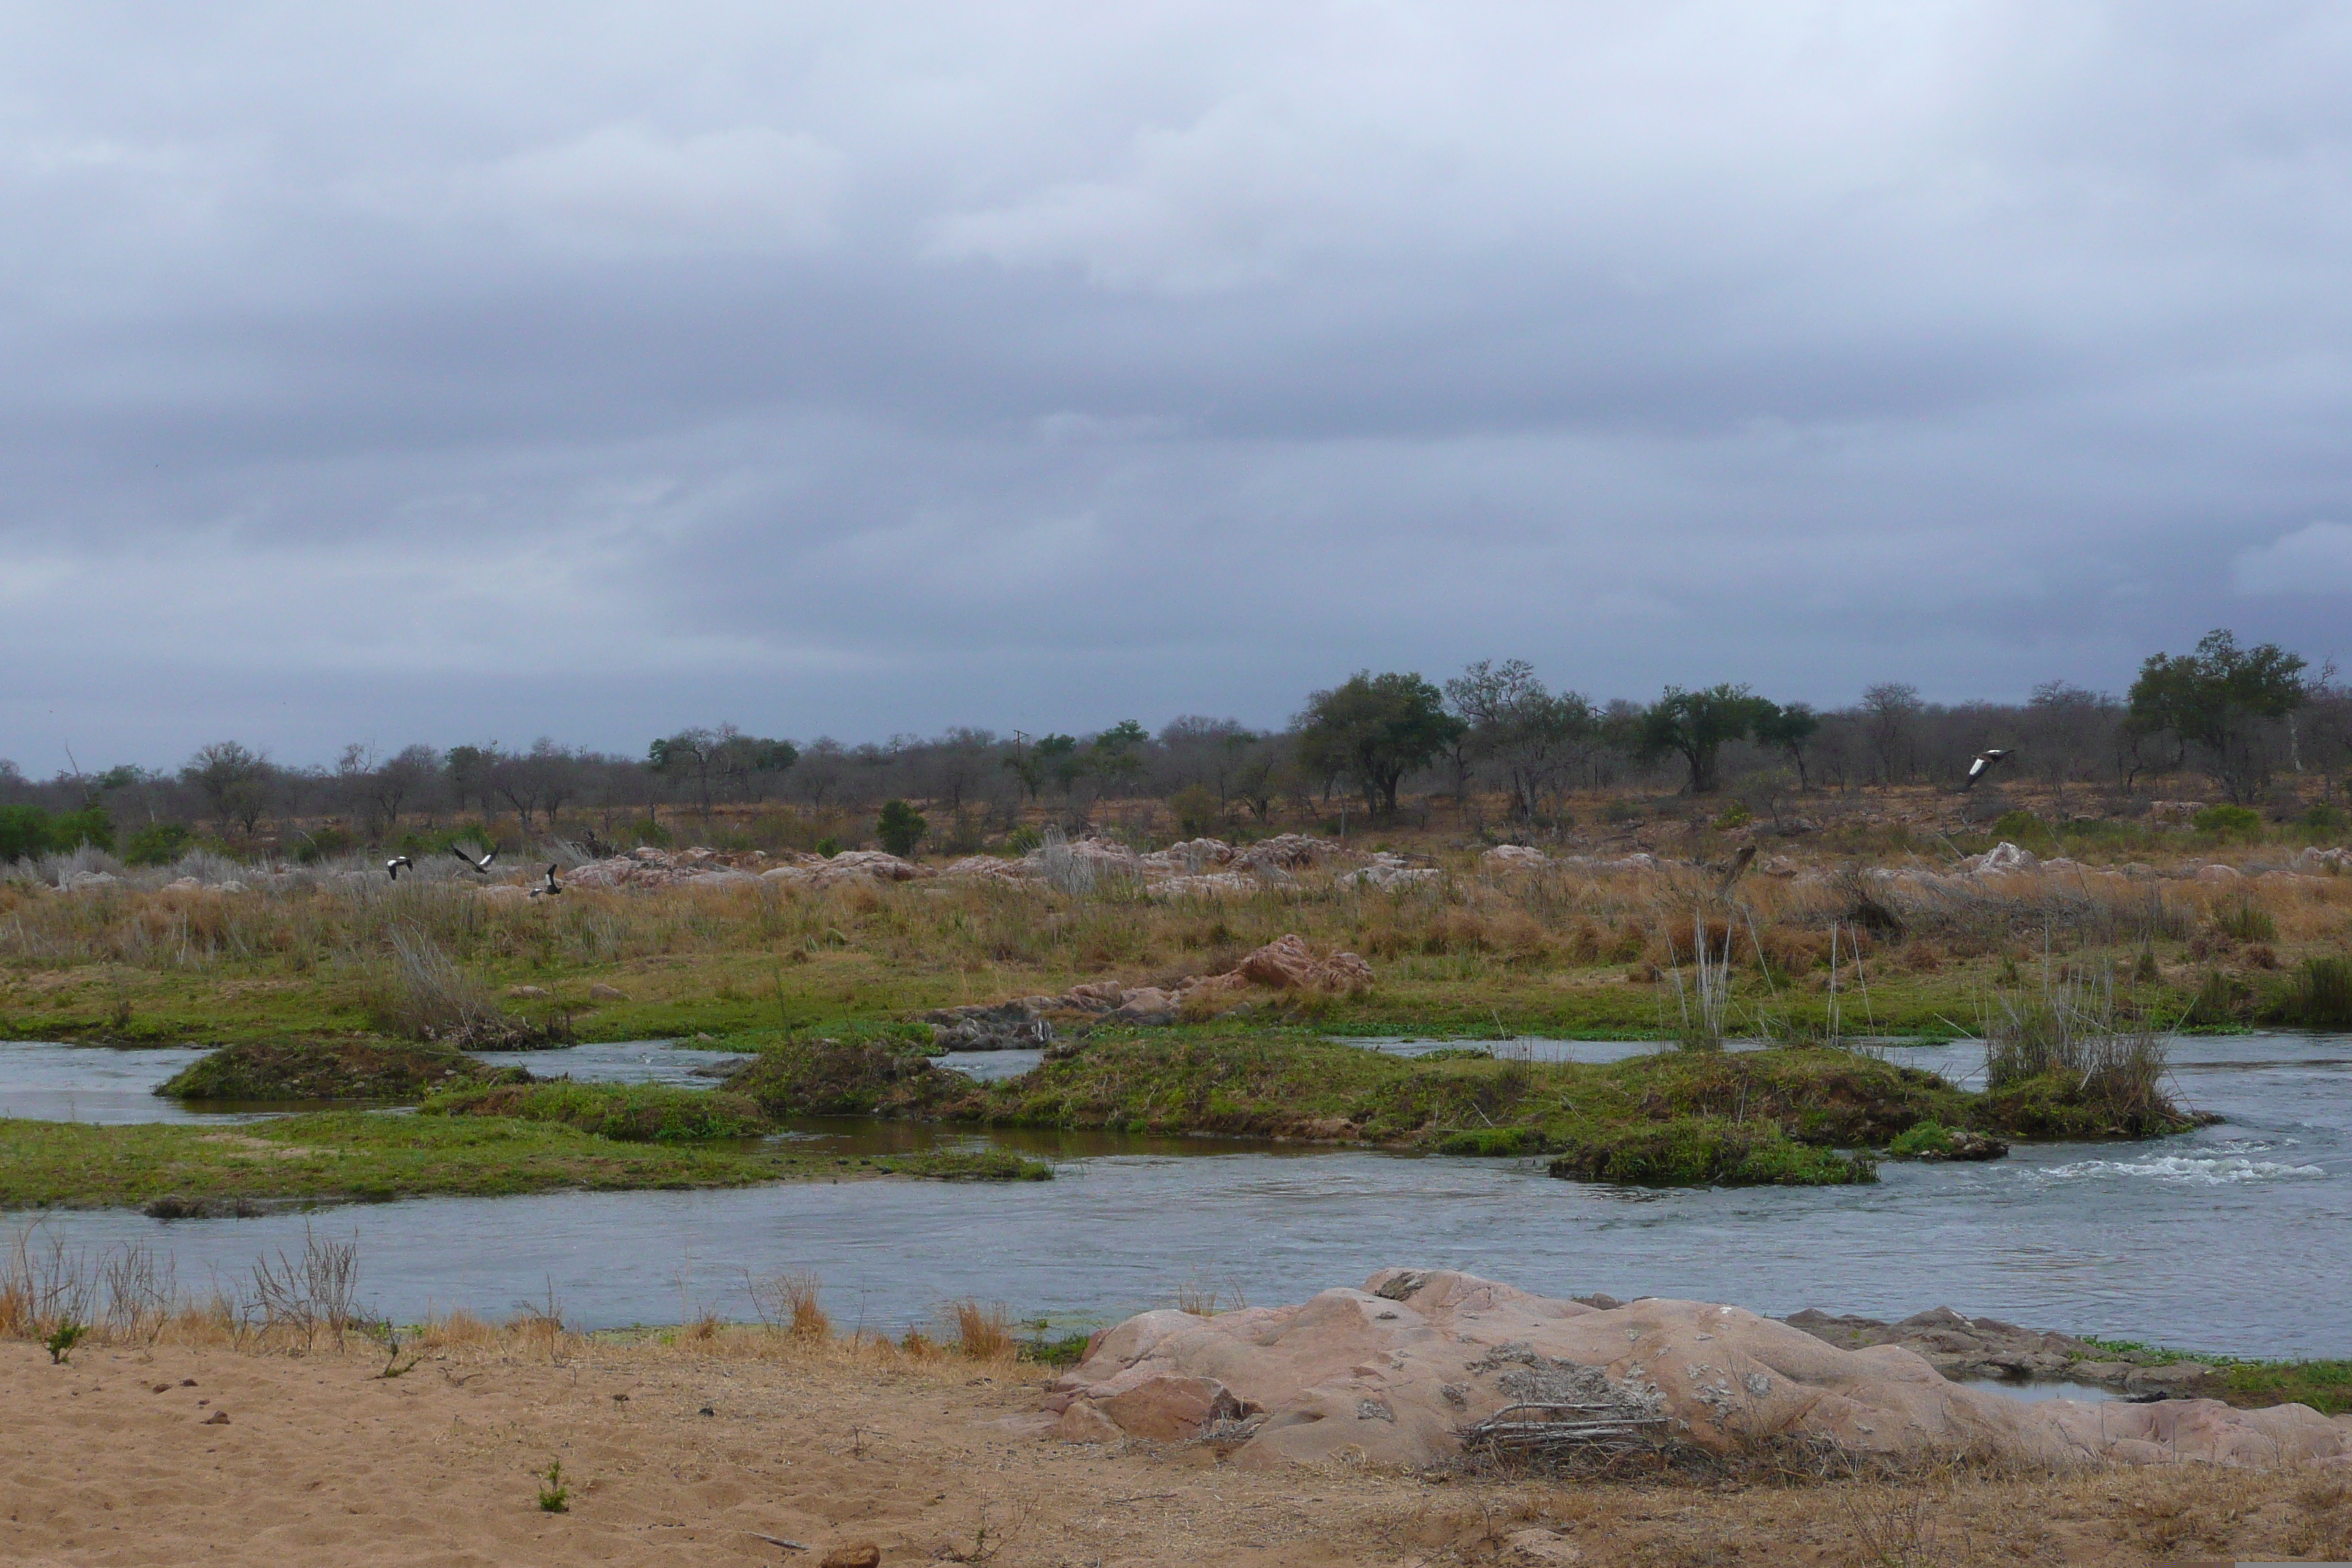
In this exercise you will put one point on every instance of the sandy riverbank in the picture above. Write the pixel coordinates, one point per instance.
(119, 1459)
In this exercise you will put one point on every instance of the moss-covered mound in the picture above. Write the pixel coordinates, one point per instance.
(632, 1114)
(1705, 1151)
(828, 1076)
(327, 1069)
(2063, 1105)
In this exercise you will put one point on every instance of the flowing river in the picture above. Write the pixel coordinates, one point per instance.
(2234, 1238)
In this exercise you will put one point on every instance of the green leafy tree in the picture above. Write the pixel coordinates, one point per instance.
(1788, 730)
(2219, 698)
(1374, 730)
(1116, 754)
(1534, 735)
(235, 781)
(1693, 725)
(24, 832)
(900, 828)
(1058, 758)
(690, 753)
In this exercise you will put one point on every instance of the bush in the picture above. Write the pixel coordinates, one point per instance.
(1196, 809)
(2228, 822)
(2323, 819)
(899, 828)
(828, 847)
(2017, 825)
(157, 843)
(323, 845)
(24, 832)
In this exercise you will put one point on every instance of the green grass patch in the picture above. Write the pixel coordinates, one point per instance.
(173, 1169)
(2324, 1385)
(632, 1113)
(1706, 1150)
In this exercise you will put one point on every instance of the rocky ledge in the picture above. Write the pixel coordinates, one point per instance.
(1424, 1367)
(1962, 1348)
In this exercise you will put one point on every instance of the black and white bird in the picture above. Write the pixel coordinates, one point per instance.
(482, 865)
(548, 888)
(396, 864)
(1982, 765)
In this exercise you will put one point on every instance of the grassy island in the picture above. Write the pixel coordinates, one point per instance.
(1799, 1116)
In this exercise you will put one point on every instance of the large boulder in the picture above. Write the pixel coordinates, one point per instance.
(1418, 1365)
(1287, 963)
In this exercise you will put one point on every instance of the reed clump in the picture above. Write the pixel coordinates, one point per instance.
(2064, 1063)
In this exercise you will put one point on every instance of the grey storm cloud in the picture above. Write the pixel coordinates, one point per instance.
(449, 372)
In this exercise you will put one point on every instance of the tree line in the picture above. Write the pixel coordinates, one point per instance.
(2241, 716)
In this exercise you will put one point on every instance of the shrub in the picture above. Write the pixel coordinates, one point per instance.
(2246, 922)
(828, 847)
(899, 828)
(157, 843)
(2228, 822)
(2017, 825)
(324, 844)
(1196, 809)
(92, 825)
(24, 832)
(27, 830)
(2323, 819)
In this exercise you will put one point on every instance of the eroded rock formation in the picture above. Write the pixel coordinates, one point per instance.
(1417, 1365)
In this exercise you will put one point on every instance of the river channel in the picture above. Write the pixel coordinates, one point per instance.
(2234, 1238)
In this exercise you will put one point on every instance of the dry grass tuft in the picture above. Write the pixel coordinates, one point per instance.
(981, 1332)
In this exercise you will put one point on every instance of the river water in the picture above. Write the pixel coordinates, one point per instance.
(2235, 1239)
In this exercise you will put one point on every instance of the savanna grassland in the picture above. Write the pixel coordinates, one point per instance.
(1568, 952)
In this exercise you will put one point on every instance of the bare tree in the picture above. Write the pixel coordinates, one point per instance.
(1890, 715)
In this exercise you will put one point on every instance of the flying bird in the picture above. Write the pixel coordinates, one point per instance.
(1982, 765)
(551, 888)
(396, 864)
(482, 865)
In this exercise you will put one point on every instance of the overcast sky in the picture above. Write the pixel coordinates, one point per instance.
(384, 373)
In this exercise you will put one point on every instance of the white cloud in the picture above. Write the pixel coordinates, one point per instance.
(2314, 558)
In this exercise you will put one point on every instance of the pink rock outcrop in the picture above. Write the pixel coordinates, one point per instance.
(1398, 1373)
